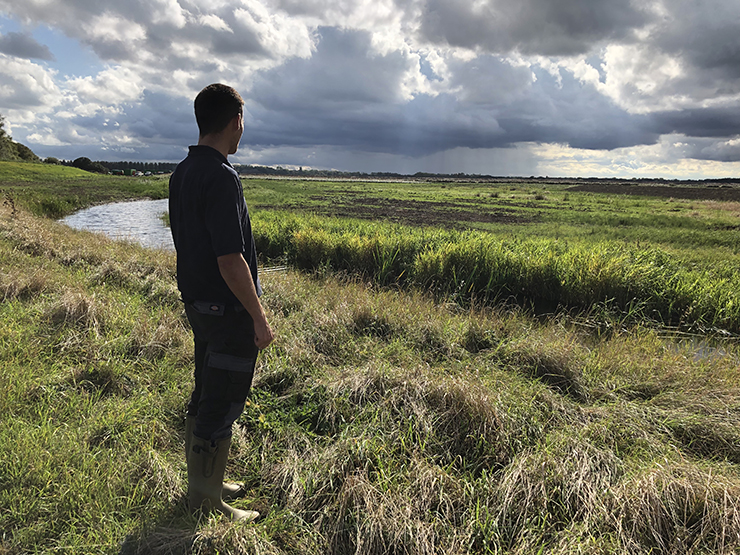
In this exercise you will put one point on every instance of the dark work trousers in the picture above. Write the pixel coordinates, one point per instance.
(225, 358)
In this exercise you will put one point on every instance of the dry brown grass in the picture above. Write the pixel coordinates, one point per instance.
(679, 508)
(23, 286)
(549, 488)
(731, 208)
(167, 337)
(77, 309)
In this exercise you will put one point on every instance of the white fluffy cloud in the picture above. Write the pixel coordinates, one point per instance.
(111, 87)
(26, 88)
(414, 84)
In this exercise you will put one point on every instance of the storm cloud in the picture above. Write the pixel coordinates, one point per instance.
(22, 45)
(374, 84)
(340, 98)
(541, 27)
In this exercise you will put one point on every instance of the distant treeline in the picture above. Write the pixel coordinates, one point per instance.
(153, 167)
(243, 170)
(279, 171)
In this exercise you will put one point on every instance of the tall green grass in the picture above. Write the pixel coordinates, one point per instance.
(646, 282)
(381, 421)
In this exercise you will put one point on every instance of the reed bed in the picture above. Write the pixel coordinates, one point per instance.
(638, 282)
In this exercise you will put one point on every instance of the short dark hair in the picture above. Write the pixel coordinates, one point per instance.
(215, 106)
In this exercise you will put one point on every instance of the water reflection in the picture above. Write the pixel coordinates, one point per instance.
(138, 220)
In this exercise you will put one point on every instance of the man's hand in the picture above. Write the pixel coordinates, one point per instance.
(235, 271)
(263, 335)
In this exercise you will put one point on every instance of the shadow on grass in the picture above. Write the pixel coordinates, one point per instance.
(174, 533)
(178, 532)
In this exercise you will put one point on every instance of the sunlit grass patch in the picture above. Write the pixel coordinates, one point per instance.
(56, 191)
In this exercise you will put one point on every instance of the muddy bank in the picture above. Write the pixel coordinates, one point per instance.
(416, 213)
(725, 193)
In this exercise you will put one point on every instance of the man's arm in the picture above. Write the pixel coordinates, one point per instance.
(235, 271)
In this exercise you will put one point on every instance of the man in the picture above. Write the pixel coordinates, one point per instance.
(217, 277)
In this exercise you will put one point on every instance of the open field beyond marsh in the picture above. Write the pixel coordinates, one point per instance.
(385, 418)
(551, 247)
(700, 224)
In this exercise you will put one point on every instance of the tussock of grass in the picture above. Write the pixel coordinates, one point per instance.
(22, 287)
(709, 434)
(103, 380)
(676, 508)
(454, 421)
(165, 336)
(554, 361)
(76, 310)
(564, 481)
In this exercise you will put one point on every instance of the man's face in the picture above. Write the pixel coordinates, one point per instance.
(236, 137)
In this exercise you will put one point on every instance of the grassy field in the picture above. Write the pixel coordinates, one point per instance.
(56, 191)
(389, 416)
(670, 216)
(670, 256)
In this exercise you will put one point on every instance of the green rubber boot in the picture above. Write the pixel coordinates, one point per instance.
(206, 467)
(229, 491)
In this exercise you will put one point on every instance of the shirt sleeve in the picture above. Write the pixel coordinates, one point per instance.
(223, 213)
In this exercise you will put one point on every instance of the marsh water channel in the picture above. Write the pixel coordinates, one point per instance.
(137, 220)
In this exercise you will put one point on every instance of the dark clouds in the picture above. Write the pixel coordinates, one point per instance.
(343, 76)
(705, 35)
(542, 27)
(23, 45)
(340, 98)
(392, 80)
(699, 122)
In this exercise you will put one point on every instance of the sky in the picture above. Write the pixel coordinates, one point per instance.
(567, 88)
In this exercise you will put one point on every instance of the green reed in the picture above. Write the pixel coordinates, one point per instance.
(472, 264)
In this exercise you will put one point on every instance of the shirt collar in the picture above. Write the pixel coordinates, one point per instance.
(203, 150)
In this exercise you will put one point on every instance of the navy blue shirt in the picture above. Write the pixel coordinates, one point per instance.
(208, 218)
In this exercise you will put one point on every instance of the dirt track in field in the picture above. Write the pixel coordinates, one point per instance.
(461, 214)
(423, 213)
(678, 192)
(417, 213)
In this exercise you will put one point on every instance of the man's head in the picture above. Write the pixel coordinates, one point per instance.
(215, 107)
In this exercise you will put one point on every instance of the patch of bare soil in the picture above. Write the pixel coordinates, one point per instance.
(417, 213)
(678, 192)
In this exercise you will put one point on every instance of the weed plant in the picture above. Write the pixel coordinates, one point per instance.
(381, 420)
